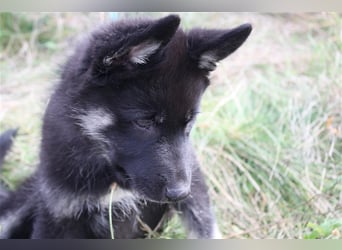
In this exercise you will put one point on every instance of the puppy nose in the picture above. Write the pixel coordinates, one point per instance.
(177, 194)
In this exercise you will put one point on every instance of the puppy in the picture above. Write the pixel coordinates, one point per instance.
(115, 137)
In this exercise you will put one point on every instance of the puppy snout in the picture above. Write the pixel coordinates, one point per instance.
(177, 193)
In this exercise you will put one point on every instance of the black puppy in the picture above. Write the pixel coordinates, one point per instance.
(121, 117)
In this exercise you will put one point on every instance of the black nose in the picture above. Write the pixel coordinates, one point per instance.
(177, 194)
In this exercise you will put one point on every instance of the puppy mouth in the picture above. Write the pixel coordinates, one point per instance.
(163, 200)
(126, 182)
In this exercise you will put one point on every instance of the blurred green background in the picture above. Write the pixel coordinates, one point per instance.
(270, 133)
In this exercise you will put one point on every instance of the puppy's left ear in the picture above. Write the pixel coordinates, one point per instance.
(207, 47)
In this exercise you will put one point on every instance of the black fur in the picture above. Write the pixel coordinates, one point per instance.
(6, 140)
(122, 114)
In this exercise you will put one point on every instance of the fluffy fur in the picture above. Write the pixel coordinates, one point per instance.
(121, 114)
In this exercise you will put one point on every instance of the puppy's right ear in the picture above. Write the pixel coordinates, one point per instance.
(141, 44)
(155, 36)
(120, 50)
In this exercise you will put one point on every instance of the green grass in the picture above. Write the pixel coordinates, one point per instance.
(269, 136)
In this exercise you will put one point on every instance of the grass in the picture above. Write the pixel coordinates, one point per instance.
(111, 227)
(269, 137)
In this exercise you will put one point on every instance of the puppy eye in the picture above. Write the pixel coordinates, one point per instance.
(144, 123)
(190, 116)
(188, 119)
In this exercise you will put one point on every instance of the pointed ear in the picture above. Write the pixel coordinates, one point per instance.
(142, 44)
(207, 47)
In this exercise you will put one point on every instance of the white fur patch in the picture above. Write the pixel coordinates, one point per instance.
(93, 121)
(123, 200)
(216, 232)
(208, 61)
(192, 235)
(140, 53)
(8, 221)
(68, 205)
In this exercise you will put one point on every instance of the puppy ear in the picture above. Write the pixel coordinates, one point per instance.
(207, 47)
(141, 45)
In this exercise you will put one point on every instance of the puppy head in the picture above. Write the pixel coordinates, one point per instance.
(136, 88)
